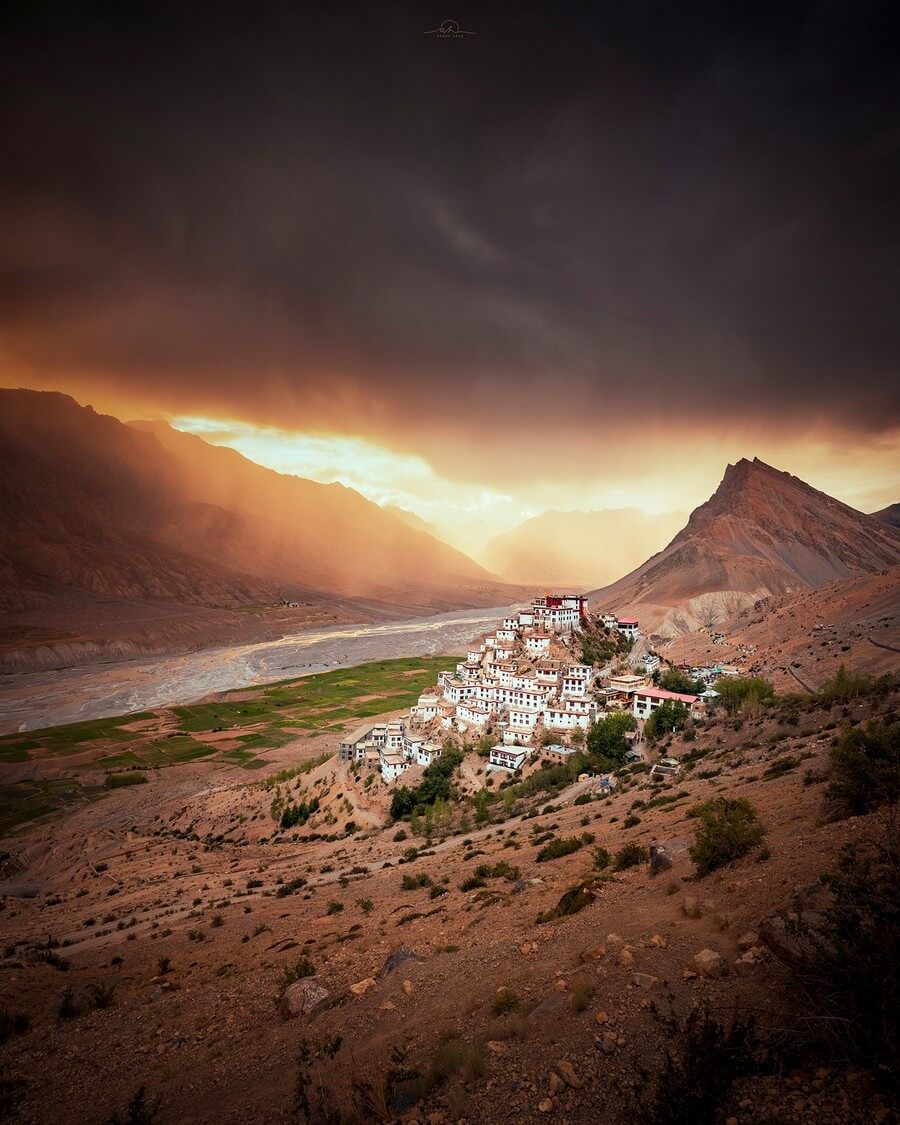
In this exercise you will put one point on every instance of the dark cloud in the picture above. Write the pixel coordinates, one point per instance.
(330, 217)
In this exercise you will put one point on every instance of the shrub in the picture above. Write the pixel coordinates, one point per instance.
(163, 965)
(559, 847)
(12, 1023)
(290, 887)
(102, 995)
(630, 856)
(414, 882)
(571, 902)
(121, 780)
(68, 1006)
(865, 770)
(140, 1111)
(366, 906)
(299, 970)
(582, 995)
(728, 829)
(737, 692)
(335, 907)
(505, 1001)
(501, 870)
(845, 982)
(582, 799)
(602, 858)
(700, 1071)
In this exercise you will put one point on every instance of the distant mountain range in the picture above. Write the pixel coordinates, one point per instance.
(92, 506)
(578, 549)
(762, 533)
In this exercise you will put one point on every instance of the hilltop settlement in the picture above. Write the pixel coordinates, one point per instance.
(526, 691)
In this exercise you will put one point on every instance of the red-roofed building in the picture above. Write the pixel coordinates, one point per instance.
(647, 699)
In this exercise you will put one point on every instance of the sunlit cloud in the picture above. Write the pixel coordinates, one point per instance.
(378, 473)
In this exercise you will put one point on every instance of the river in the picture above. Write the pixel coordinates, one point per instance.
(41, 699)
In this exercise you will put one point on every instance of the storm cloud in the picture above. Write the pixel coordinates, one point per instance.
(333, 221)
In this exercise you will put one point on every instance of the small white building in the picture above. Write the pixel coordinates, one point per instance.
(627, 626)
(392, 766)
(562, 716)
(471, 713)
(537, 643)
(508, 757)
(427, 707)
(523, 717)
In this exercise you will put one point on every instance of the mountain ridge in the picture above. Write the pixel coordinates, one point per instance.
(763, 532)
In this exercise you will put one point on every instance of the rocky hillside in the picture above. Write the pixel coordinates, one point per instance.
(762, 533)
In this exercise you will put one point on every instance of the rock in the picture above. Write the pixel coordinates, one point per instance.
(556, 1083)
(547, 1005)
(519, 886)
(748, 940)
(545, 1105)
(395, 960)
(305, 997)
(645, 980)
(566, 1072)
(362, 986)
(561, 986)
(408, 987)
(660, 859)
(496, 1046)
(626, 957)
(785, 937)
(659, 942)
(614, 939)
(688, 974)
(528, 947)
(387, 1006)
(602, 1017)
(710, 963)
(690, 907)
(595, 953)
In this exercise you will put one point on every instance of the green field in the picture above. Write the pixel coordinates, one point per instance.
(261, 719)
(27, 800)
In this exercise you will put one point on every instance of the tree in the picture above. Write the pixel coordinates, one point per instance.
(865, 770)
(606, 739)
(728, 829)
(735, 692)
(674, 679)
(669, 716)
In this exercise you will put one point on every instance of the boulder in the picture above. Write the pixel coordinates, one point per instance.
(710, 963)
(305, 997)
(747, 941)
(566, 1072)
(396, 959)
(645, 980)
(660, 858)
(690, 907)
(362, 986)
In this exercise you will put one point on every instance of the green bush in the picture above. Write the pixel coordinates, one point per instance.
(559, 847)
(630, 856)
(121, 780)
(602, 858)
(572, 901)
(728, 829)
(865, 770)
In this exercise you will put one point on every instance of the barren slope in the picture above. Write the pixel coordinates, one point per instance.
(762, 533)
